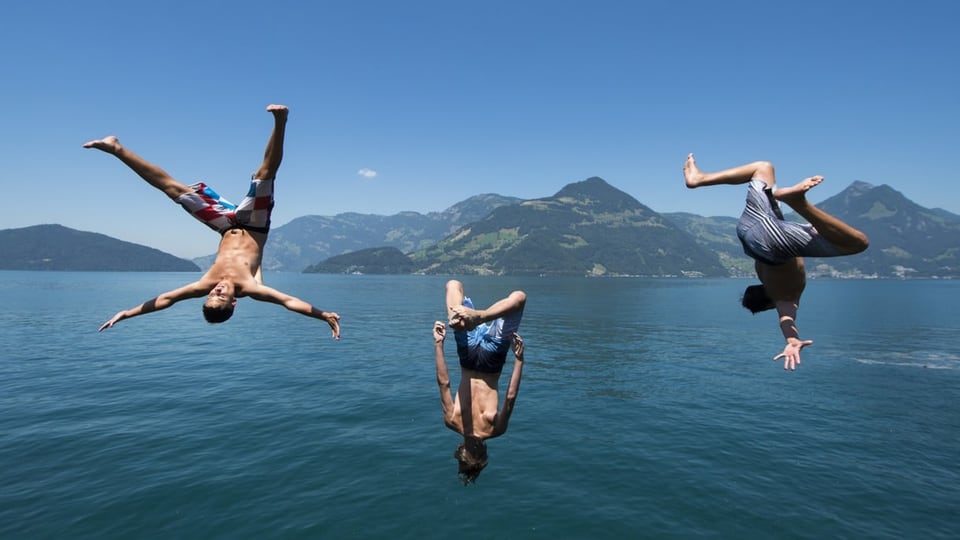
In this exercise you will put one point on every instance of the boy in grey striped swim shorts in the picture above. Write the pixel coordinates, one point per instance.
(778, 246)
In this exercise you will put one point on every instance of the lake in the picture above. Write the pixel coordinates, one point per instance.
(650, 408)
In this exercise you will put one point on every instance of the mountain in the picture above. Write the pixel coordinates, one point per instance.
(906, 239)
(586, 228)
(383, 260)
(719, 235)
(55, 247)
(308, 240)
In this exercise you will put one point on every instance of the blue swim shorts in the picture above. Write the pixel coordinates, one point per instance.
(485, 347)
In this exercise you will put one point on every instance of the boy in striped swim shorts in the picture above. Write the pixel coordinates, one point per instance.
(778, 246)
(243, 230)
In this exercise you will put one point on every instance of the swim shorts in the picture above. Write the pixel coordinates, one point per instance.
(767, 238)
(485, 347)
(252, 214)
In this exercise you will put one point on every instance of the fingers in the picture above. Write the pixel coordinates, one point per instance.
(333, 320)
(790, 361)
(108, 324)
(517, 345)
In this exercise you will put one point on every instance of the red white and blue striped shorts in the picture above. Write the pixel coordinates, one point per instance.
(221, 215)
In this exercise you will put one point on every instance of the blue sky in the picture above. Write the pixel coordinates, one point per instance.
(417, 105)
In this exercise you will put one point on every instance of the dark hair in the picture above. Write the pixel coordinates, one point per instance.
(755, 299)
(217, 314)
(470, 466)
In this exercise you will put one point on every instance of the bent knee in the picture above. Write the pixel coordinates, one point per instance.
(862, 243)
(519, 296)
(763, 170)
(858, 243)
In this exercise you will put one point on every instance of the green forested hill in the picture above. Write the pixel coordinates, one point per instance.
(587, 228)
(382, 260)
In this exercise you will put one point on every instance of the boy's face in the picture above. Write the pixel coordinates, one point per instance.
(221, 295)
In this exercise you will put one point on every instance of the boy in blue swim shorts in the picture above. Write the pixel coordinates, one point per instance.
(484, 338)
(778, 246)
(243, 230)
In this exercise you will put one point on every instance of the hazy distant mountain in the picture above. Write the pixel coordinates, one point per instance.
(55, 247)
(587, 228)
(309, 240)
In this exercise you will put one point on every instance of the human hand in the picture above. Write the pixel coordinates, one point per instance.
(791, 353)
(113, 320)
(463, 318)
(439, 332)
(334, 321)
(518, 347)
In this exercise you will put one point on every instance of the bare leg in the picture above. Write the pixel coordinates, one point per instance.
(274, 152)
(694, 177)
(464, 318)
(454, 298)
(845, 237)
(155, 176)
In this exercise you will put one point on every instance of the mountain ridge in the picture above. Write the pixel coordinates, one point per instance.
(589, 220)
(60, 248)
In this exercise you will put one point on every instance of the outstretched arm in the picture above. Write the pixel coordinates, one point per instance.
(163, 301)
(787, 312)
(443, 378)
(503, 416)
(268, 294)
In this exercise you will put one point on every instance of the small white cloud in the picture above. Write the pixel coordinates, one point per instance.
(367, 173)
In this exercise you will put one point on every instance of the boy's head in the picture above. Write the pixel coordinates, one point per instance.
(755, 299)
(220, 303)
(472, 458)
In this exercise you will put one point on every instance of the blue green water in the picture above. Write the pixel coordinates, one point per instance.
(649, 408)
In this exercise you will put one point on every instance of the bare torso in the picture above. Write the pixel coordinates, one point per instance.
(238, 260)
(477, 390)
(783, 282)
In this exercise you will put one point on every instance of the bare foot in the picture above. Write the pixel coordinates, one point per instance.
(109, 144)
(464, 318)
(279, 111)
(797, 194)
(691, 174)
